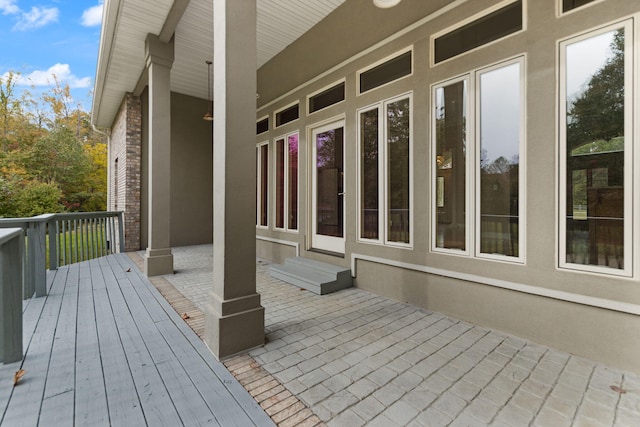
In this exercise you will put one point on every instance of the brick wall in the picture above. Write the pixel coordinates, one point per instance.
(124, 185)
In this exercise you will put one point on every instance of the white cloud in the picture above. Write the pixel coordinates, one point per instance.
(9, 7)
(92, 16)
(37, 17)
(62, 73)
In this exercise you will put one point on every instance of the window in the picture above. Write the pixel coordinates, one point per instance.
(491, 214)
(326, 98)
(287, 182)
(450, 130)
(287, 115)
(262, 180)
(385, 172)
(500, 23)
(595, 148)
(568, 5)
(262, 126)
(388, 71)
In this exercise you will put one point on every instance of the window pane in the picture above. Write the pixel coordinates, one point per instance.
(568, 5)
(370, 214)
(292, 141)
(398, 171)
(499, 160)
(484, 30)
(450, 165)
(595, 144)
(280, 183)
(288, 115)
(389, 71)
(262, 126)
(327, 98)
(264, 183)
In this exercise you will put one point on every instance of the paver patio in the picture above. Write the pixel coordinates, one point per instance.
(356, 358)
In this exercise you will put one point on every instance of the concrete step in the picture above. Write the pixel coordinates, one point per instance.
(315, 276)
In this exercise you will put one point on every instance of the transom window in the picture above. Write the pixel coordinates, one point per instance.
(596, 140)
(477, 184)
(568, 5)
(287, 115)
(485, 29)
(390, 70)
(385, 200)
(326, 98)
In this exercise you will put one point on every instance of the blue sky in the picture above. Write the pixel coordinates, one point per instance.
(40, 38)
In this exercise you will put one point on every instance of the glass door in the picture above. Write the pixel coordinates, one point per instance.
(328, 188)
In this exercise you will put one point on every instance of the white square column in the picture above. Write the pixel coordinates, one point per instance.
(234, 317)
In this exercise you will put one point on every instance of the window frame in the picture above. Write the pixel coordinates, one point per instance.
(383, 174)
(522, 195)
(469, 20)
(323, 89)
(469, 165)
(382, 61)
(280, 110)
(631, 156)
(286, 207)
(259, 186)
(473, 170)
(561, 13)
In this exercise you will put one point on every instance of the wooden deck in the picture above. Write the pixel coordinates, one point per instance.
(104, 348)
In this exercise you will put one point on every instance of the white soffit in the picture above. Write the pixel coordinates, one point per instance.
(279, 23)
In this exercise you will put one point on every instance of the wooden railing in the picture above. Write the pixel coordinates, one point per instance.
(67, 238)
(11, 248)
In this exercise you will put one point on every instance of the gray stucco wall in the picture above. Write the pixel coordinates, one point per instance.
(301, 69)
(191, 172)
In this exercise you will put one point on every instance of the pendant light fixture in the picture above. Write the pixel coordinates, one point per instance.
(208, 116)
(384, 4)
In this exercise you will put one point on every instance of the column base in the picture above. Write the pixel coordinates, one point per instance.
(158, 262)
(231, 333)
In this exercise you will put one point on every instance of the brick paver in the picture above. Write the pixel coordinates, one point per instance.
(356, 358)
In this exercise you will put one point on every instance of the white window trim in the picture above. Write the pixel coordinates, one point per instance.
(522, 195)
(460, 24)
(286, 107)
(377, 106)
(329, 86)
(382, 61)
(560, 13)
(259, 187)
(286, 206)
(383, 175)
(631, 228)
(470, 150)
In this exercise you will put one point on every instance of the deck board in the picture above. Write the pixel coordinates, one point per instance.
(148, 293)
(104, 348)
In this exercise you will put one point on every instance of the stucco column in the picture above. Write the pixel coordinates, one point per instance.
(234, 316)
(158, 258)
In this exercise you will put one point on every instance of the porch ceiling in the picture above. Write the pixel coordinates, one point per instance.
(126, 24)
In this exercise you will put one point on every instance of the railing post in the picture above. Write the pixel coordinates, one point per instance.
(121, 230)
(30, 266)
(53, 243)
(11, 248)
(40, 257)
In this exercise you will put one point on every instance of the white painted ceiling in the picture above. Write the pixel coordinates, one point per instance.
(126, 24)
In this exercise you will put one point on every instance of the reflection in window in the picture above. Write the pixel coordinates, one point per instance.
(292, 142)
(594, 151)
(499, 133)
(287, 182)
(385, 193)
(369, 203)
(262, 158)
(450, 165)
(398, 171)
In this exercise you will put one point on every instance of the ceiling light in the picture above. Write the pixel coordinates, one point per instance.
(384, 4)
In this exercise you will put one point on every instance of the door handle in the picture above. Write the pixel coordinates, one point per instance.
(342, 194)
